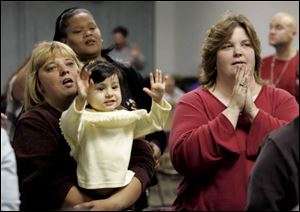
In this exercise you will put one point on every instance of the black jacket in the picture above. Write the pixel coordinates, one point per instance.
(274, 183)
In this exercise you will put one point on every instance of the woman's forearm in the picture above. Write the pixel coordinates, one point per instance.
(122, 199)
(73, 198)
(128, 195)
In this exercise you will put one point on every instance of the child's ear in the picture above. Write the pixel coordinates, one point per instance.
(64, 40)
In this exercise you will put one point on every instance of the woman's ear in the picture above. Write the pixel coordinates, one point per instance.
(39, 87)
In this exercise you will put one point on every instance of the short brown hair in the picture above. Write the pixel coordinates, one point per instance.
(219, 34)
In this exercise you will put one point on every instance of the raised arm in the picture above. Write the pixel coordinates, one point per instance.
(83, 84)
(70, 122)
(158, 84)
(158, 140)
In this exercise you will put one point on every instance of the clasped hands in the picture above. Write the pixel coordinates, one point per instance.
(241, 98)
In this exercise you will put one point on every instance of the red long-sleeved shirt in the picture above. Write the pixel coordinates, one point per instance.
(214, 158)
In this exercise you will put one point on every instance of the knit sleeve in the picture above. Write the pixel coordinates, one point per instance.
(142, 162)
(153, 121)
(71, 126)
(285, 109)
(45, 169)
(135, 84)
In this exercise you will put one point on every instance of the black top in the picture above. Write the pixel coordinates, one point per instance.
(274, 183)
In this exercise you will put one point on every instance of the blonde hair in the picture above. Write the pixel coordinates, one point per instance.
(40, 54)
(219, 34)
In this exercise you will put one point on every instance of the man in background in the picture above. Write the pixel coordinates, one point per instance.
(280, 69)
(129, 55)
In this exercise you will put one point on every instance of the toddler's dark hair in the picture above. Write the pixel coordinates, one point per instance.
(102, 70)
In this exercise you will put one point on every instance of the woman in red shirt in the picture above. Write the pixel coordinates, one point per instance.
(218, 128)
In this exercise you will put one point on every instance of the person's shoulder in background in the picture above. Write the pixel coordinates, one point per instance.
(9, 179)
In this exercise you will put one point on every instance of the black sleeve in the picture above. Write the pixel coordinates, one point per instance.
(269, 178)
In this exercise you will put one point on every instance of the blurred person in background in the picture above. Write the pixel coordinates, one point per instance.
(280, 68)
(128, 54)
(10, 196)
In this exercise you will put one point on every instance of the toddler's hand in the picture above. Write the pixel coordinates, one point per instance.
(158, 84)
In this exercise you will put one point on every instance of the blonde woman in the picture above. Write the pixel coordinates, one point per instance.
(47, 172)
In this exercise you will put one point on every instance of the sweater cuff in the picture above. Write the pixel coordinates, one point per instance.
(74, 106)
(141, 176)
(165, 105)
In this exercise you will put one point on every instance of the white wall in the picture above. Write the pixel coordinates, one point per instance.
(180, 28)
(164, 38)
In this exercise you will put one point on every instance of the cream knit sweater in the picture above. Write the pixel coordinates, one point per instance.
(101, 141)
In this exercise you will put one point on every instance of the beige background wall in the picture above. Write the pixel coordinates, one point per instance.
(180, 28)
